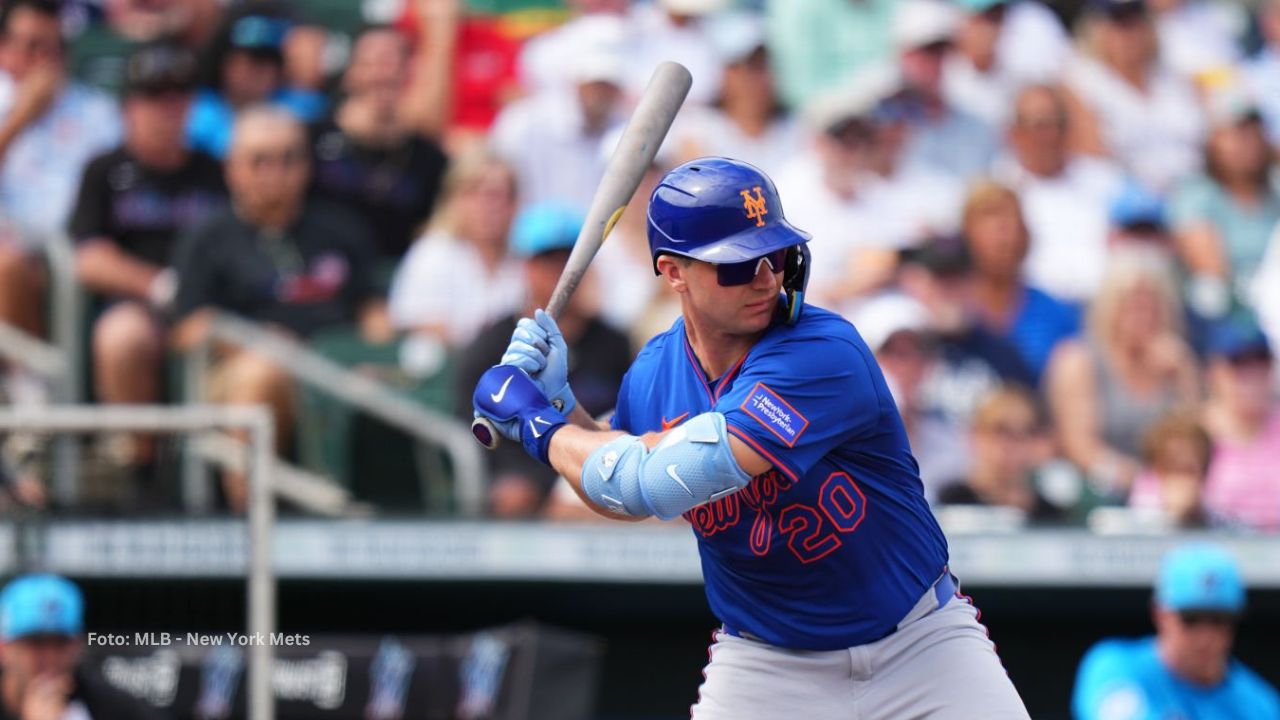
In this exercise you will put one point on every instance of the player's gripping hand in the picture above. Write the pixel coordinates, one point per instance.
(517, 408)
(538, 348)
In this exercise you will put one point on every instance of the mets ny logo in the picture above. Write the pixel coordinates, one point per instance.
(755, 207)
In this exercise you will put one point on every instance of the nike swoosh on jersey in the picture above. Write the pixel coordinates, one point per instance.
(671, 472)
(502, 391)
(668, 424)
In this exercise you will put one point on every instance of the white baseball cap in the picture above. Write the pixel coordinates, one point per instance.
(693, 7)
(884, 316)
(918, 23)
(856, 98)
(735, 35)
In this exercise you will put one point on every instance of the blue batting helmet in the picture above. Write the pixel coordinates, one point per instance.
(720, 211)
(724, 211)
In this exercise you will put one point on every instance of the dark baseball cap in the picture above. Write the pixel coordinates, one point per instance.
(942, 255)
(1237, 338)
(160, 67)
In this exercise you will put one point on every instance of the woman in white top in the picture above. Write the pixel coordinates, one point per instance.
(458, 277)
(1126, 104)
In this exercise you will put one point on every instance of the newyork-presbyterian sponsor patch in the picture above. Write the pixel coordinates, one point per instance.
(771, 411)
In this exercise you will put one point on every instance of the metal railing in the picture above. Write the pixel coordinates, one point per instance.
(57, 362)
(423, 424)
(260, 426)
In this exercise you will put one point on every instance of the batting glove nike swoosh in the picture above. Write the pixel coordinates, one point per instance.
(517, 408)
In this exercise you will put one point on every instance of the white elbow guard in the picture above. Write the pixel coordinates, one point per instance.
(692, 465)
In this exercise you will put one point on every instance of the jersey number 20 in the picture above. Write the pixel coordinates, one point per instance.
(812, 534)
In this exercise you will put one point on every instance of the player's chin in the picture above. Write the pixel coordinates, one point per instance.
(756, 316)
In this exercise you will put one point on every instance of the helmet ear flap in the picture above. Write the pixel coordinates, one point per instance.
(795, 278)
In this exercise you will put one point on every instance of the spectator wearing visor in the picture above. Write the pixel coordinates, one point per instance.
(133, 204)
(42, 673)
(1186, 668)
(247, 66)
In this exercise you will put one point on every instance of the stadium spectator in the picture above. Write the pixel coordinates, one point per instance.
(546, 58)
(1007, 443)
(375, 155)
(972, 361)
(458, 277)
(1000, 47)
(1243, 417)
(542, 237)
(1129, 368)
(275, 258)
(856, 193)
(819, 45)
(42, 676)
(247, 66)
(1223, 218)
(675, 30)
(1176, 452)
(50, 128)
(1139, 218)
(1186, 668)
(943, 138)
(897, 329)
(133, 203)
(1064, 195)
(552, 139)
(1126, 104)
(746, 121)
(1025, 316)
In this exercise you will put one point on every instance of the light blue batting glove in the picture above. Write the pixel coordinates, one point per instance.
(538, 348)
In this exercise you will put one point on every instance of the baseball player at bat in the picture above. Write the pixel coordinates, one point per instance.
(767, 425)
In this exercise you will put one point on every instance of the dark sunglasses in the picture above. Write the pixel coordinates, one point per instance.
(742, 273)
(1251, 357)
(1209, 617)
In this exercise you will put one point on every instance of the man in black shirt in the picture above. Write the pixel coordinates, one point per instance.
(132, 204)
(372, 156)
(543, 235)
(41, 673)
(274, 258)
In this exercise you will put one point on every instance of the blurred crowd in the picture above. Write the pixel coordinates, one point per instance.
(1053, 225)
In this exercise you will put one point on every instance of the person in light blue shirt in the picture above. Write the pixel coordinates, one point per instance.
(248, 70)
(1185, 670)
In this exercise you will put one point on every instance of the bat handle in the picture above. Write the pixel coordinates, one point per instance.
(485, 433)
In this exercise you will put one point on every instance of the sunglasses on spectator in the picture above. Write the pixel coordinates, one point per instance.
(1128, 15)
(995, 13)
(940, 47)
(742, 273)
(284, 158)
(1209, 617)
(1252, 357)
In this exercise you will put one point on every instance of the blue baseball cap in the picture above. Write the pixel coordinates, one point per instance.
(544, 227)
(1137, 205)
(1200, 576)
(259, 32)
(1237, 337)
(40, 605)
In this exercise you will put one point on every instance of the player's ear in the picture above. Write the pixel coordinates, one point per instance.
(673, 271)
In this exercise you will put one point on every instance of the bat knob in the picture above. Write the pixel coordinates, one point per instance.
(484, 433)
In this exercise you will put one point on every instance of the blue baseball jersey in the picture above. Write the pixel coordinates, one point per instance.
(834, 545)
(1127, 680)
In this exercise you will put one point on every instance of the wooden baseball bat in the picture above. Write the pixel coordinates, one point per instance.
(640, 141)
